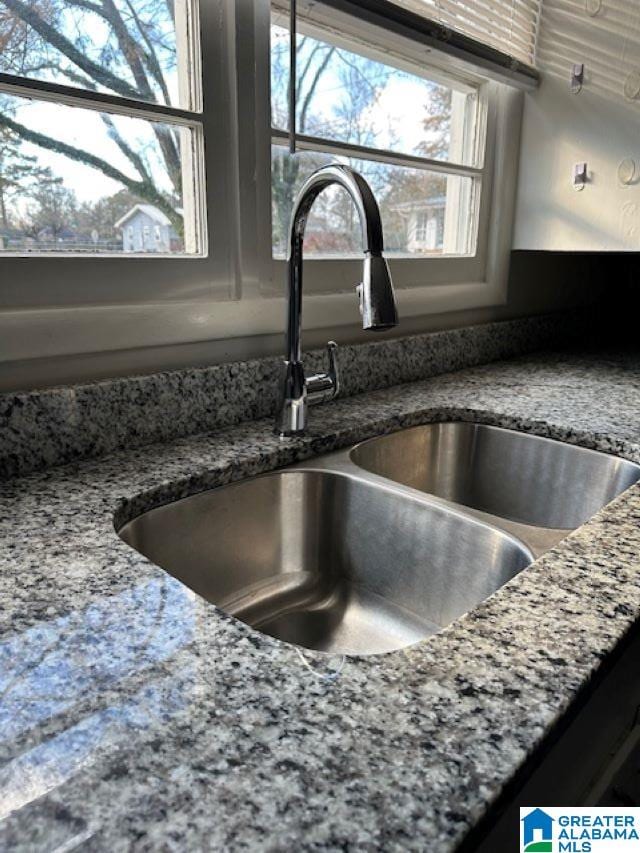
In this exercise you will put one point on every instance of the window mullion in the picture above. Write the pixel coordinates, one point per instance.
(314, 143)
(58, 93)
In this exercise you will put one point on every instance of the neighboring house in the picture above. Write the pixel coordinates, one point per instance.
(145, 228)
(424, 223)
(64, 235)
(45, 240)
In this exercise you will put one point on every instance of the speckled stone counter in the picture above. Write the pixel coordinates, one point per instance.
(42, 428)
(135, 716)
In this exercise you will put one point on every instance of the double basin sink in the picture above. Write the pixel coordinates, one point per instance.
(374, 548)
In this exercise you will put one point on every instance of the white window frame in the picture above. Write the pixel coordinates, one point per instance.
(424, 286)
(422, 221)
(100, 299)
(345, 31)
(188, 118)
(109, 304)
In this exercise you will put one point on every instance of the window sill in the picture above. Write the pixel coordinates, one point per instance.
(75, 331)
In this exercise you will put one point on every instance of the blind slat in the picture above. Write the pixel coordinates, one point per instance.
(487, 11)
(508, 25)
(485, 21)
(496, 37)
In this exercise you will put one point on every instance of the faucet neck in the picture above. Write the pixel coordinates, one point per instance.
(373, 242)
(294, 298)
(376, 294)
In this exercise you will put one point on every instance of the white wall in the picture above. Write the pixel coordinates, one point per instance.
(599, 126)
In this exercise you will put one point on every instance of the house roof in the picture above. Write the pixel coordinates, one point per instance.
(150, 210)
(420, 204)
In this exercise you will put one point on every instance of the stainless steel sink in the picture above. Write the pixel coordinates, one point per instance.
(330, 561)
(512, 475)
(375, 547)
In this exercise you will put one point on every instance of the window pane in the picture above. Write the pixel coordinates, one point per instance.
(75, 180)
(347, 96)
(423, 213)
(133, 48)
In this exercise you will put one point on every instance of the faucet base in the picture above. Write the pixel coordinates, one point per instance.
(292, 410)
(297, 434)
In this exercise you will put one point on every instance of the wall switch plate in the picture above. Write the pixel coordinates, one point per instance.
(580, 176)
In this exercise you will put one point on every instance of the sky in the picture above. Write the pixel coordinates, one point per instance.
(398, 112)
(397, 117)
(84, 128)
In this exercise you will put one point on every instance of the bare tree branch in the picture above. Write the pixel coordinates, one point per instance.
(151, 57)
(132, 54)
(312, 88)
(134, 158)
(142, 189)
(69, 73)
(129, 47)
(86, 4)
(99, 73)
(312, 54)
(353, 67)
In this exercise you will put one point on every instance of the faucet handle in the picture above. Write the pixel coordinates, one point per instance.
(325, 386)
(334, 367)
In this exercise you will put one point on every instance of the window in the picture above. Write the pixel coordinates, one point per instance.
(421, 227)
(99, 114)
(106, 130)
(352, 100)
(419, 130)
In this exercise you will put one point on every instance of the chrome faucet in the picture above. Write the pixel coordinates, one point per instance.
(375, 292)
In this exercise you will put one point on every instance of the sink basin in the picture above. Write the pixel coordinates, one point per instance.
(513, 475)
(327, 560)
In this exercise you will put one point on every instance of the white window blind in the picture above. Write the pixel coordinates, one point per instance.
(509, 26)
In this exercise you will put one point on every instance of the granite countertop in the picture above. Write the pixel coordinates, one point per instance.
(135, 715)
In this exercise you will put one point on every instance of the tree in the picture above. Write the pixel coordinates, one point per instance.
(19, 175)
(357, 83)
(338, 92)
(127, 48)
(51, 210)
(58, 39)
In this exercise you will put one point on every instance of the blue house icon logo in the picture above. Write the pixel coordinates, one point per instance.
(537, 832)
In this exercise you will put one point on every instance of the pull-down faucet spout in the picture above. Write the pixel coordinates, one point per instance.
(375, 292)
